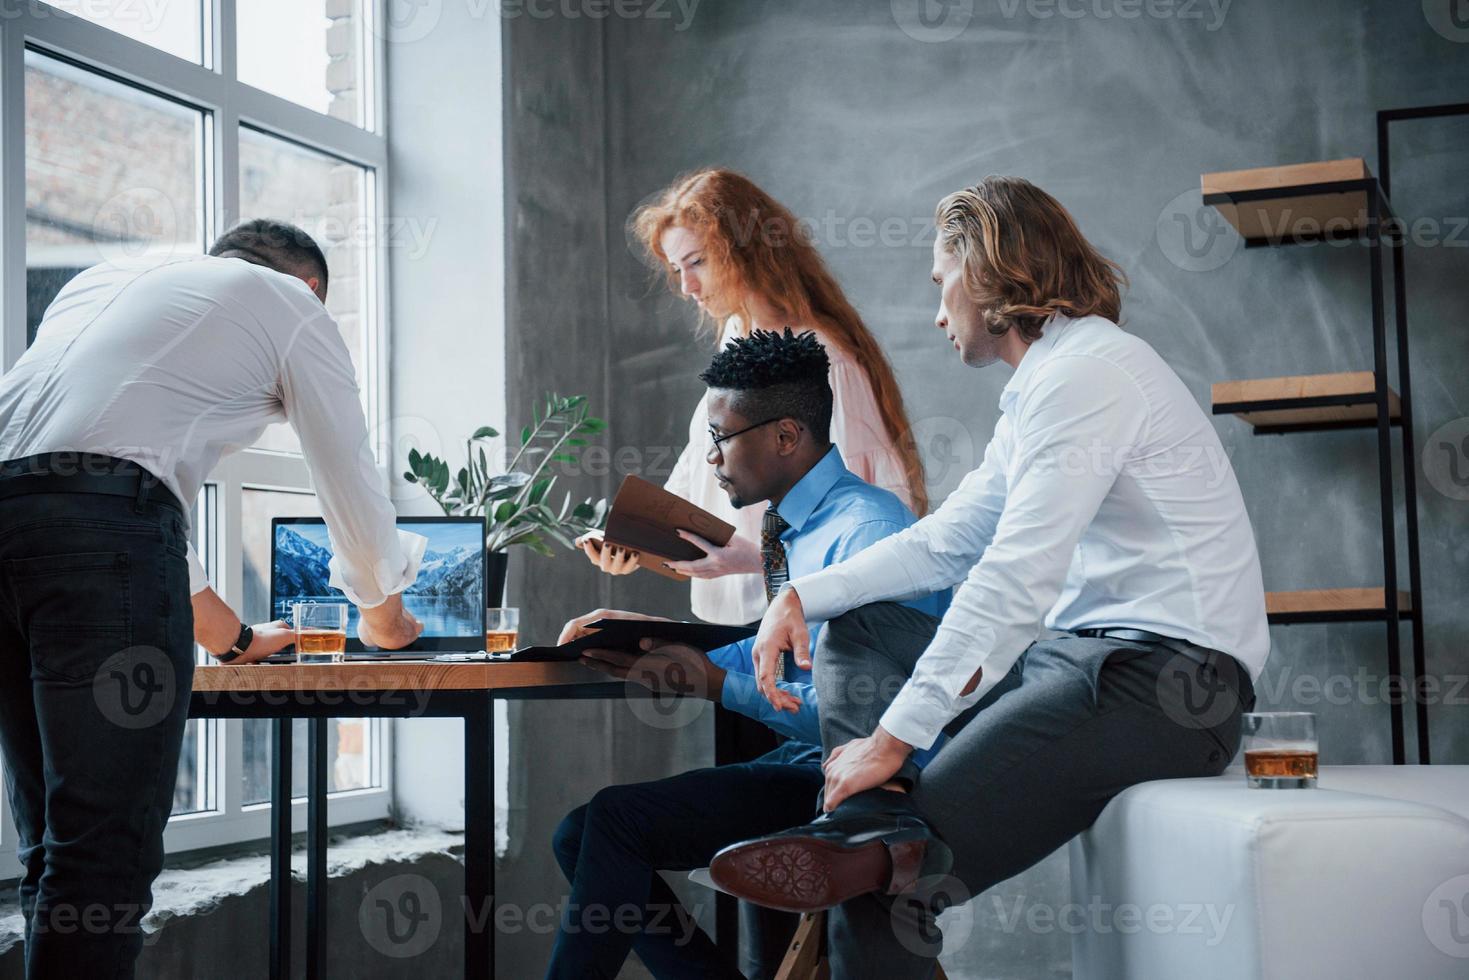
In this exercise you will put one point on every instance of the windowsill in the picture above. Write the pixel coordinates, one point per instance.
(195, 885)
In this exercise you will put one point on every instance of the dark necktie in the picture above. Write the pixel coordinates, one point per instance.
(773, 558)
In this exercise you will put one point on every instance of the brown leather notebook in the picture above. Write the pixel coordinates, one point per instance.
(647, 518)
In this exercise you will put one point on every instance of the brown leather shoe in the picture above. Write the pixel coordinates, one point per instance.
(876, 841)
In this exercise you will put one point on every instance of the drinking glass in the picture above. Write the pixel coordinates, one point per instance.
(321, 632)
(1280, 749)
(502, 627)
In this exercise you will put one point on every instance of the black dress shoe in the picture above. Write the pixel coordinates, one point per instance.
(875, 841)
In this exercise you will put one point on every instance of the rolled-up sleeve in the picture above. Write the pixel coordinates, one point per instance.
(1075, 430)
(372, 559)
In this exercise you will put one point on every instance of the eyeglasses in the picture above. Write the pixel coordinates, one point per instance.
(718, 440)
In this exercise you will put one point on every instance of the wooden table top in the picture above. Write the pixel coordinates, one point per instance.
(400, 675)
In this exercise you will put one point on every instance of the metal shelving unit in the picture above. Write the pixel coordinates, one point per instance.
(1335, 201)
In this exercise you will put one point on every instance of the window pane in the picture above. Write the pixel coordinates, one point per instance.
(173, 26)
(308, 51)
(350, 741)
(113, 173)
(328, 198)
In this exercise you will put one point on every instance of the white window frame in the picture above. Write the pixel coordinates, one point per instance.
(227, 104)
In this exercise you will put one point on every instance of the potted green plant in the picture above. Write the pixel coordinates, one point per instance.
(515, 503)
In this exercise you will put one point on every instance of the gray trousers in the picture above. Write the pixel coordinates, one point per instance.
(1074, 722)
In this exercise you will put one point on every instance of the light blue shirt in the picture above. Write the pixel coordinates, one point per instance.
(833, 514)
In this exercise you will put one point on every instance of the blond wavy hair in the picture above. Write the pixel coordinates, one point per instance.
(1024, 258)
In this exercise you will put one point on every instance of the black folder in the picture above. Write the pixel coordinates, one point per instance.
(625, 634)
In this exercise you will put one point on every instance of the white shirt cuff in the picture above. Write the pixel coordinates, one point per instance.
(821, 596)
(387, 576)
(198, 578)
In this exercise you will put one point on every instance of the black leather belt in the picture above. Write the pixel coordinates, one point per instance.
(1193, 651)
(65, 472)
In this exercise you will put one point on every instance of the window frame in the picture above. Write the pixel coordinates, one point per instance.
(226, 103)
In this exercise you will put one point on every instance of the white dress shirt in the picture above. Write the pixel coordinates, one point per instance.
(856, 429)
(1104, 499)
(176, 365)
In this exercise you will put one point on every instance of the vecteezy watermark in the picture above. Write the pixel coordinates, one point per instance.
(932, 21)
(1446, 459)
(1446, 917)
(1194, 236)
(407, 21)
(1209, 13)
(395, 692)
(401, 917)
(595, 919)
(1206, 919)
(934, 915)
(1448, 18)
(680, 12)
(1364, 687)
(134, 688)
(147, 15)
(1197, 695)
(138, 227)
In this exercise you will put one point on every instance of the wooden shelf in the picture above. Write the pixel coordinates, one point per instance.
(1333, 606)
(1305, 402)
(1294, 203)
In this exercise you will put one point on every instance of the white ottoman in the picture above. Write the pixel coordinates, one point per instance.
(1365, 877)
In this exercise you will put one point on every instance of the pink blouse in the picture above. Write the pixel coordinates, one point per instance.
(866, 448)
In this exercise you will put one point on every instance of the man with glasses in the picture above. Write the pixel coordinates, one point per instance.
(770, 412)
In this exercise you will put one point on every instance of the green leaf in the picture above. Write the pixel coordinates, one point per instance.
(410, 477)
(484, 432)
(413, 458)
(525, 435)
(538, 491)
(505, 510)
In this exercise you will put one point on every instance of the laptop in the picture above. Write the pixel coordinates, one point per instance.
(448, 596)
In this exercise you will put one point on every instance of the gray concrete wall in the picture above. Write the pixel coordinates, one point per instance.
(860, 116)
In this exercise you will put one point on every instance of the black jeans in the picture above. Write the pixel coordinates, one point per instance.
(96, 666)
(612, 848)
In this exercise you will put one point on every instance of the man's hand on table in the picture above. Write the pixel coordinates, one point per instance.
(663, 667)
(576, 628)
(388, 626)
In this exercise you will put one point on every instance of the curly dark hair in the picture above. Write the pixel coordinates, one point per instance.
(776, 375)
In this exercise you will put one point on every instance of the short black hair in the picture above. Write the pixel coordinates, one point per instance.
(276, 245)
(777, 375)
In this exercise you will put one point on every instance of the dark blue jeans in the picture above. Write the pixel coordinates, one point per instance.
(612, 848)
(96, 665)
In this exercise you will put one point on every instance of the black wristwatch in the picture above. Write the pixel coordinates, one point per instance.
(242, 643)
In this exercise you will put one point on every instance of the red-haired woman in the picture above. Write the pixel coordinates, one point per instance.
(743, 259)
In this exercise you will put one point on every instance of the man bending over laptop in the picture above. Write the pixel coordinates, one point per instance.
(770, 409)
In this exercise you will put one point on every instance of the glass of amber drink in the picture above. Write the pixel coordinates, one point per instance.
(321, 632)
(502, 629)
(1280, 749)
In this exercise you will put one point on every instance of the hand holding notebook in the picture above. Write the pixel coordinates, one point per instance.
(646, 518)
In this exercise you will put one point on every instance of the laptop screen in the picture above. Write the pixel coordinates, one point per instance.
(448, 595)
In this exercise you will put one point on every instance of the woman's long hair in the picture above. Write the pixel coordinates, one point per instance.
(1024, 259)
(754, 246)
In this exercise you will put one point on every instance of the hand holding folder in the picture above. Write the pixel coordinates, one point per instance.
(646, 518)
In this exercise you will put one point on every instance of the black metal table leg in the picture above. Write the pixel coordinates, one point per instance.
(479, 841)
(280, 849)
(316, 752)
